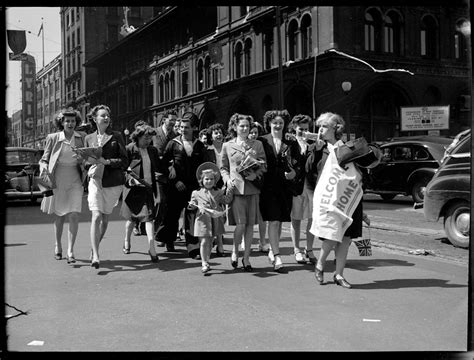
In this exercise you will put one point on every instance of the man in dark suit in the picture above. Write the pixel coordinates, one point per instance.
(164, 133)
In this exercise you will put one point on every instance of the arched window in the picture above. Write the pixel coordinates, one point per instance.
(167, 86)
(248, 56)
(172, 86)
(429, 37)
(372, 30)
(161, 89)
(292, 40)
(268, 48)
(460, 48)
(238, 60)
(392, 33)
(207, 72)
(200, 75)
(306, 43)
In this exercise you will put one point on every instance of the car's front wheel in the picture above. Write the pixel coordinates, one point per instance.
(418, 190)
(457, 224)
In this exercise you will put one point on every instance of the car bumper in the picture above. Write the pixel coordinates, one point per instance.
(18, 195)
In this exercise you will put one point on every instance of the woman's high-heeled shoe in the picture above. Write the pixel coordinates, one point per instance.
(278, 264)
(247, 268)
(233, 261)
(310, 256)
(154, 258)
(70, 259)
(319, 275)
(95, 264)
(58, 256)
(125, 250)
(342, 282)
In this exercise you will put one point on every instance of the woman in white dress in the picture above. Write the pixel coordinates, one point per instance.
(64, 170)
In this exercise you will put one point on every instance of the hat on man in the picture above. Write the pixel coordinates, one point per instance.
(208, 166)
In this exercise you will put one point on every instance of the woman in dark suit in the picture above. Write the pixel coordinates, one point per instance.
(106, 171)
(275, 198)
(141, 194)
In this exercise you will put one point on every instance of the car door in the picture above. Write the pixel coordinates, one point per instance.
(391, 173)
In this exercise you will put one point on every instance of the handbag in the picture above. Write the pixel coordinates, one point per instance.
(45, 184)
(364, 245)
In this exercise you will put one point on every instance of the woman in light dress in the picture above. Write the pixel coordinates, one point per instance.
(60, 166)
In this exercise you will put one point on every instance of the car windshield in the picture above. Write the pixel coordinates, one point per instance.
(21, 157)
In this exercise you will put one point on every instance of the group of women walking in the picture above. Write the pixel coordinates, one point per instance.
(251, 174)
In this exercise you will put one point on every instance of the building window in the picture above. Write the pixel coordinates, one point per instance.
(184, 83)
(78, 36)
(167, 86)
(72, 16)
(248, 56)
(238, 60)
(207, 72)
(292, 40)
(200, 75)
(215, 77)
(372, 29)
(172, 86)
(392, 33)
(68, 46)
(306, 42)
(429, 37)
(161, 89)
(68, 24)
(460, 48)
(268, 48)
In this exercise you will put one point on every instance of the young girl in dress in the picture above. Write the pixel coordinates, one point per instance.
(209, 203)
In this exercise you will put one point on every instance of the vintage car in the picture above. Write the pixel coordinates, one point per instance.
(21, 173)
(448, 193)
(407, 165)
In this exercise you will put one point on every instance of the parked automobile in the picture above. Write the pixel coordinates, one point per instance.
(21, 173)
(448, 193)
(407, 165)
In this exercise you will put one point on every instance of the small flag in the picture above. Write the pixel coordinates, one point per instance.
(364, 246)
(40, 30)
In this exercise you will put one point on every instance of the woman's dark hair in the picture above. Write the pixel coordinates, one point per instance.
(93, 113)
(216, 126)
(272, 114)
(142, 130)
(298, 120)
(234, 121)
(260, 128)
(58, 120)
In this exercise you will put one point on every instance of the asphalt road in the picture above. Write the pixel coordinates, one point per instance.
(400, 302)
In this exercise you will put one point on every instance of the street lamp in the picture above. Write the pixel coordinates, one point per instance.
(346, 87)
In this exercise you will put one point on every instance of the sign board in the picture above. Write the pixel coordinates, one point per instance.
(17, 57)
(28, 90)
(424, 118)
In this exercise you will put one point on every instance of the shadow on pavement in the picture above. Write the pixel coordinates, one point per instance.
(406, 283)
(368, 264)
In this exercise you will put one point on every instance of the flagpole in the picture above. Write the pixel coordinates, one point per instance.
(42, 38)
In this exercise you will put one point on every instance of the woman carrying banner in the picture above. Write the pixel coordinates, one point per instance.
(331, 127)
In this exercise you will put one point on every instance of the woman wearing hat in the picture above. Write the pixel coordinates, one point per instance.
(64, 169)
(209, 203)
(141, 195)
(331, 127)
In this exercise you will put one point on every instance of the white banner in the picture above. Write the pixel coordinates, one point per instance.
(336, 196)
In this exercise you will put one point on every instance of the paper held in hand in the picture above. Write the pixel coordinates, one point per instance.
(211, 212)
(86, 152)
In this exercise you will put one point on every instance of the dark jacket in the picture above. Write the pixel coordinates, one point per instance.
(160, 140)
(135, 162)
(114, 150)
(184, 165)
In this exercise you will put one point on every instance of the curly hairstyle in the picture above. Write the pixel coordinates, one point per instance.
(208, 172)
(93, 113)
(58, 120)
(141, 130)
(216, 126)
(298, 120)
(259, 127)
(272, 114)
(334, 119)
(234, 121)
